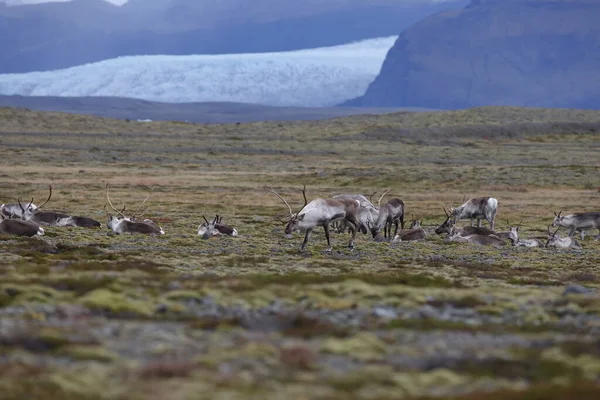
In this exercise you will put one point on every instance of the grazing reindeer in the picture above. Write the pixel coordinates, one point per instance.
(121, 224)
(578, 222)
(481, 240)
(391, 213)
(450, 223)
(321, 212)
(215, 228)
(19, 227)
(477, 208)
(52, 217)
(367, 213)
(554, 240)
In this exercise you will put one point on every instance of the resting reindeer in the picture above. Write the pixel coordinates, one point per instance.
(52, 217)
(528, 243)
(415, 232)
(321, 212)
(578, 222)
(19, 227)
(481, 240)
(391, 213)
(215, 228)
(450, 222)
(477, 208)
(120, 223)
(554, 240)
(16, 210)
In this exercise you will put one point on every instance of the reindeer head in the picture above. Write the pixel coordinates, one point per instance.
(448, 224)
(415, 224)
(30, 209)
(557, 218)
(119, 216)
(207, 229)
(553, 237)
(293, 221)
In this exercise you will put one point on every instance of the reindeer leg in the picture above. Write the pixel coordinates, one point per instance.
(395, 230)
(306, 237)
(354, 226)
(326, 229)
(582, 234)
(479, 222)
(401, 223)
(572, 231)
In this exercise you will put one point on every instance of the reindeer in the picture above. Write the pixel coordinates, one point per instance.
(477, 208)
(450, 223)
(528, 243)
(554, 240)
(391, 213)
(578, 222)
(512, 234)
(481, 240)
(19, 227)
(16, 210)
(367, 213)
(321, 212)
(215, 228)
(120, 223)
(54, 218)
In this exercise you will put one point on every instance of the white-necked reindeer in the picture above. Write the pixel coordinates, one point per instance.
(477, 208)
(120, 223)
(54, 218)
(321, 212)
(554, 240)
(215, 228)
(578, 222)
(391, 213)
(19, 227)
(15, 210)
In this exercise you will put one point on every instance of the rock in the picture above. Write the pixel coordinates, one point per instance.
(576, 289)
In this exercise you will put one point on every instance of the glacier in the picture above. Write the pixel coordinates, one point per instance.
(317, 77)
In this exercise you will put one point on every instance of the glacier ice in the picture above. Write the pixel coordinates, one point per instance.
(310, 78)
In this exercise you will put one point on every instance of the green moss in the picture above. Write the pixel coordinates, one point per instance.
(362, 346)
(116, 303)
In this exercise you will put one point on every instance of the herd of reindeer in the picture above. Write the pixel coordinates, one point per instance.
(341, 213)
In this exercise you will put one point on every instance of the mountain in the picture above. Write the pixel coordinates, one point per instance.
(59, 35)
(542, 53)
(318, 77)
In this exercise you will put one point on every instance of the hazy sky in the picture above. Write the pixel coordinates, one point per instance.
(14, 2)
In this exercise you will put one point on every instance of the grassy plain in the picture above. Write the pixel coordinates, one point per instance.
(87, 315)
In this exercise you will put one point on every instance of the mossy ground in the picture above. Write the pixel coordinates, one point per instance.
(84, 314)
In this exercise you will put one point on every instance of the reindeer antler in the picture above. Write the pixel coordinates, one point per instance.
(47, 200)
(111, 204)
(282, 199)
(205, 220)
(371, 196)
(143, 202)
(304, 195)
(382, 196)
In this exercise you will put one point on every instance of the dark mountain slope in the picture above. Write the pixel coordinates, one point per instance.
(542, 53)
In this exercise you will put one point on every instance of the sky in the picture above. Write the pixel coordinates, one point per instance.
(16, 2)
